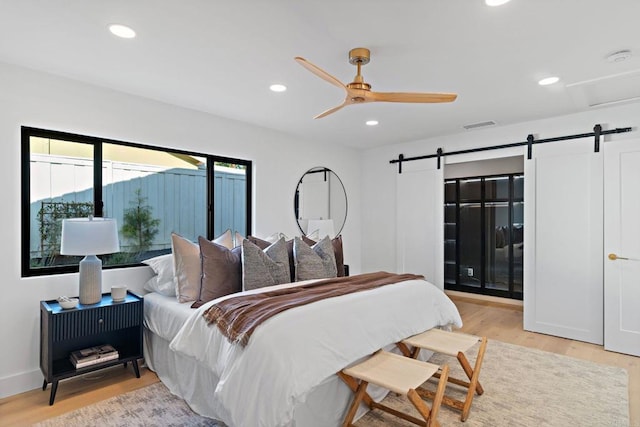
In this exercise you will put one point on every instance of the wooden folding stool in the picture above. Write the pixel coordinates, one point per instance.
(399, 374)
(452, 344)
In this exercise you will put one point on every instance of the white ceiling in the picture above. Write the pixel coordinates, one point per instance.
(221, 56)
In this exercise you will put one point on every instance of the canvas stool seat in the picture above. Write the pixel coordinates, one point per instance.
(453, 344)
(399, 374)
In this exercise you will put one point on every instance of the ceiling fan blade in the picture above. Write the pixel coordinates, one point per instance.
(411, 97)
(331, 110)
(319, 72)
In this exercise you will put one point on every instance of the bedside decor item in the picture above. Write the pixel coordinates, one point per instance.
(67, 303)
(118, 293)
(89, 237)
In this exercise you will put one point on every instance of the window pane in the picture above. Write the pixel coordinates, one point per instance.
(496, 188)
(470, 189)
(61, 186)
(152, 193)
(230, 198)
(470, 244)
(498, 241)
(450, 195)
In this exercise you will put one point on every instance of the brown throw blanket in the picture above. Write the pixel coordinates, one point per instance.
(238, 317)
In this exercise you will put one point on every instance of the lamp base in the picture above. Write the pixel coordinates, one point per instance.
(90, 280)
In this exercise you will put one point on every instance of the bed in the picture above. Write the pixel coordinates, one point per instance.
(285, 376)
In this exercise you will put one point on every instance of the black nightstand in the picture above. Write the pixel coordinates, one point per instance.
(106, 322)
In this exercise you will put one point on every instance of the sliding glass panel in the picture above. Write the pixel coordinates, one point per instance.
(152, 193)
(450, 192)
(496, 188)
(518, 187)
(518, 245)
(470, 225)
(61, 186)
(498, 242)
(470, 190)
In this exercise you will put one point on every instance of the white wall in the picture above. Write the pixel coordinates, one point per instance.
(379, 181)
(35, 99)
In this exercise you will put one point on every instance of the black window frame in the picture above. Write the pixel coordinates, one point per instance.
(97, 143)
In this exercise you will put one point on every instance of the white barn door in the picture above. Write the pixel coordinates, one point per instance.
(622, 240)
(563, 244)
(420, 220)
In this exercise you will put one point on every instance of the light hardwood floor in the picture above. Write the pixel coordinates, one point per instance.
(496, 321)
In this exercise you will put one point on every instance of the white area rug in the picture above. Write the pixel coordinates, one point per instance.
(523, 387)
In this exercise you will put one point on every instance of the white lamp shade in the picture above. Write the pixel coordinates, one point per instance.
(89, 236)
(323, 226)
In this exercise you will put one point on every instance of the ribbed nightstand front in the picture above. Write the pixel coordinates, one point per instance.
(107, 322)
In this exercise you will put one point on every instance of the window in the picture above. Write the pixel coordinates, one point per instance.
(150, 191)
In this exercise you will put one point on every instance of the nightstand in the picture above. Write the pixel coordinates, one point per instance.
(106, 322)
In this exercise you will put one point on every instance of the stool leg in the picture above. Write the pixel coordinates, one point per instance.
(473, 374)
(422, 408)
(362, 388)
(442, 384)
(473, 385)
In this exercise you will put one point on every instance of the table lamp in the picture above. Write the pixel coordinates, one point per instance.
(90, 237)
(324, 227)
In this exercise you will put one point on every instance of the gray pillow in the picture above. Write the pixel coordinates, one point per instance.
(315, 262)
(266, 267)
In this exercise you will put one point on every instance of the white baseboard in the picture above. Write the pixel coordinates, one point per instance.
(19, 383)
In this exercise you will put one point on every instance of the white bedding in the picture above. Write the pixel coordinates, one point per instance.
(164, 315)
(291, 354)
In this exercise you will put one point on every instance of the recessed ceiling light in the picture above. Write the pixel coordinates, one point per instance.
(278, 88)
(371, 123)
(496, 2)
(548, 81)
(122, 31)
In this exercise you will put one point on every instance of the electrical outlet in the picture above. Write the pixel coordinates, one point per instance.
(470, 272)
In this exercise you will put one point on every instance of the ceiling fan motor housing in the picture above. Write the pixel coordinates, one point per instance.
(359, 55)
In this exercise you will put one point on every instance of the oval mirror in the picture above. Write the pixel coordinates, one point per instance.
(320, 203)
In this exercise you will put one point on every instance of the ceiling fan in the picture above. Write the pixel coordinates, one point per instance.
(358, 91)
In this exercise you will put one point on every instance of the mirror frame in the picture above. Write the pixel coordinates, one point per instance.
(296, 200)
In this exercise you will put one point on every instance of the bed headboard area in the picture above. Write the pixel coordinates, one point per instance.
(198, 272)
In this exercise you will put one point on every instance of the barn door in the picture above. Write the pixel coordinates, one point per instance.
(420, 221)
(622, 247)
(563, 245)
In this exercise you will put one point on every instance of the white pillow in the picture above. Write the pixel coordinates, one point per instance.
(225, 239)
(163, 280)
(187, 265)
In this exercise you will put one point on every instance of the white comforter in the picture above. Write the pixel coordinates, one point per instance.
(291, 353)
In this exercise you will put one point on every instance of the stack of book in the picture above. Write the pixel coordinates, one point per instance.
(93, 355)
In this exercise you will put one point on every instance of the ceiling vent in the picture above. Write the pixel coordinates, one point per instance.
(607, 90)
(479, 125)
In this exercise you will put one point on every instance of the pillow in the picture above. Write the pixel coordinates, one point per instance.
(263, 244)
(163, 288)
(264, 267)
(225, 239)
(186, 265)
(162, 282)
(238, 239)
(316, 262)
(337, 250)
(221, 271)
